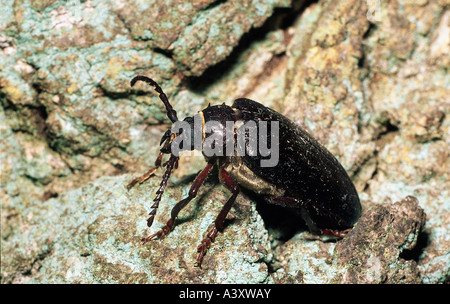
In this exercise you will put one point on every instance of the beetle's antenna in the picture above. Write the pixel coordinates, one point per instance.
(170, 164)
(171, 113)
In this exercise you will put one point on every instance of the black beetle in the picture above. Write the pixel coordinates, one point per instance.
(306, 177)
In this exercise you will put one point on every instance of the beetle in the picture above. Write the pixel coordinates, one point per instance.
(306, 178)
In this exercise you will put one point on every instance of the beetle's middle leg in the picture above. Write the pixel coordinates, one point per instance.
(228, 181)
(181, 204)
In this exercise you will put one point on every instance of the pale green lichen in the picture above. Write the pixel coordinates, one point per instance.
(374, 95)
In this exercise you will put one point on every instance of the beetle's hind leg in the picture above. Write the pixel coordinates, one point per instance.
(181, 204)
(339, 234)
(289, 202)
(228, 181)
(298, 207)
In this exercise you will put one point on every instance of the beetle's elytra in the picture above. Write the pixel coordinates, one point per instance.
(306, 177)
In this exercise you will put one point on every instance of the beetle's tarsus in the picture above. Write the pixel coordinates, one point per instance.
(161, 233)
(142, 178)
(336, 233)
(205, 244)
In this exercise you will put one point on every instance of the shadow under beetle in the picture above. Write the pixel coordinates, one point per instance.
(307, 178)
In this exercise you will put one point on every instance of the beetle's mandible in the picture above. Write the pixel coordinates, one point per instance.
(306, 178)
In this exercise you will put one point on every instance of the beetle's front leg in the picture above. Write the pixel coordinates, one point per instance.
(147, 175)
(228, 181)
(181, 204)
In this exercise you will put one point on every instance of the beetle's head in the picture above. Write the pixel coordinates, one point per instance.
(179, 138)
(168, 137)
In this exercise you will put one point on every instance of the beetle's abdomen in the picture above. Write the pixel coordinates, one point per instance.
(306, 170)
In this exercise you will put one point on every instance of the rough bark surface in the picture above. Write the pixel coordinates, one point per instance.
(369, 79)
